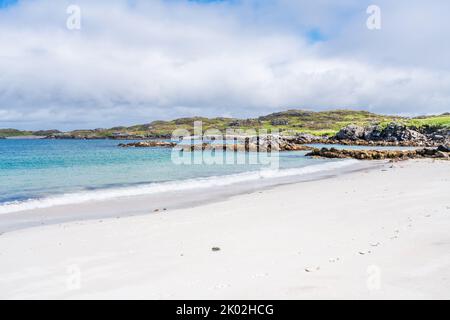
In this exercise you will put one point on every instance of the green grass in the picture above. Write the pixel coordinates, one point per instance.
(435, 121)
(14, 133)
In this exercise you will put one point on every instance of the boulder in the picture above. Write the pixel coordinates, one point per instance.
(351, 132)
(440, 135)
(399, 132)
(373, 133)
(444, 148)
(303, 138)
(279, 122)
(440, 154)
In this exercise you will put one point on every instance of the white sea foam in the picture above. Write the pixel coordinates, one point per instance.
(147, 189)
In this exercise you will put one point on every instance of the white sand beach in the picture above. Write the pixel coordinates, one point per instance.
(380, 233)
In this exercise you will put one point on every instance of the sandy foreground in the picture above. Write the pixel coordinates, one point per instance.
(379, 233)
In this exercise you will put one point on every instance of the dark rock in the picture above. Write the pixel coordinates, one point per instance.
(373, 133)
(392, 135)
(279, 122)
(379, 154)
(267, 143)
(441, 154)
(215, 249)
(244, 123)
(444, 148)
(398, 132)
(148, 144)
(305, 138)
(46, 133)
(351, 132)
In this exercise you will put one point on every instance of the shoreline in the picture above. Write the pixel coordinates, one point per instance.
(143, 204)
(370, 234)
(317, 140)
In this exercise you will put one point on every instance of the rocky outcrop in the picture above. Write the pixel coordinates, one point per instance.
(148, 144)
(394, 134)
(279, 122)
(306, 138)
(334, 153)
(444, 148)
(46, 133)
(257, 144)
(244, 123)
(114, 136)
(245, 144)
(279, 143)
(351, 132)
(440, 135)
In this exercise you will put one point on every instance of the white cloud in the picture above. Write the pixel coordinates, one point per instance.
(133, 62)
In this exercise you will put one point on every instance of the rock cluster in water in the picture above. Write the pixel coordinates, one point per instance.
(245, 144)
(148, 144)
(442, 152)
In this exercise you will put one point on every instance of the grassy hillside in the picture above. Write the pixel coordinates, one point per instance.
(291, 121)
(19, 133)
(319, 123)
(433, 121)
(13, 133)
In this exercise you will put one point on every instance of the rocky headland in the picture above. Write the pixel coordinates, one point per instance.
(348, 127)
(394, 134)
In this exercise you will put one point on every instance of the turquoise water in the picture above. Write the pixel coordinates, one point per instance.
(36, 169)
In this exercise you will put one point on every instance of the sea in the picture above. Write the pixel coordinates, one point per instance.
(40, 173)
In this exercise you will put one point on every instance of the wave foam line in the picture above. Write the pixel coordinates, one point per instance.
(147, 189)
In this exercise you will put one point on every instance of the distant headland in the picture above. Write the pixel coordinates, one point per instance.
(346, 124)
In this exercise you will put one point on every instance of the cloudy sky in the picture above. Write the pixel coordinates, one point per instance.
(134, 61)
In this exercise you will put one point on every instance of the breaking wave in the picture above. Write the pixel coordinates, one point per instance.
(153, 188)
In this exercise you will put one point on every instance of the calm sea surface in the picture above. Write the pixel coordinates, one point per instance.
(42, 169)
(31, 169)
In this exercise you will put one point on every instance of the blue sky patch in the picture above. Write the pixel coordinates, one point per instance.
(7, 3)
(315, 35)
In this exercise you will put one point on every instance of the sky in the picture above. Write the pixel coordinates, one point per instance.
(135, 61)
